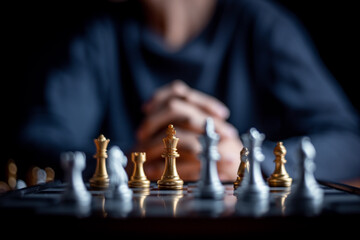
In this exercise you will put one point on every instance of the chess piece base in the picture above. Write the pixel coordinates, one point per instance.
(122, 193)
(139, 183)
(280, 181)
(99, 183)
(210, 192)
(172, 184)
(252, 192)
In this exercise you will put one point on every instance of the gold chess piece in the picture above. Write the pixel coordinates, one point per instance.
(244, 166)
(11, 172)
(100, 178)
(279, 178)
(170, 178)
(138, 178)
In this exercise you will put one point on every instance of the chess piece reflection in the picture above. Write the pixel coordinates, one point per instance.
(170, 178)
(244, 166)
(279, 178)
(306, 197)
(100, 178)
(74, 163)
(140, 195)
(98, 206)
(279, 196)
(171, 202)
(138, 178)
(254, 208)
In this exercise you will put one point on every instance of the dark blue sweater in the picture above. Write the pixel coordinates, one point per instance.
(253, 55)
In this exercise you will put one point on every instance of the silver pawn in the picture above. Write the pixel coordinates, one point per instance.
(73, 164)
(209, 185)
(118, 188)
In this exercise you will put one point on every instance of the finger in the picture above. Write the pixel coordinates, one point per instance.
(187, 171)
(208, 103)
(184, 114)
(153, 148)
(174, 112)
(178, 89)
(154, 170)
(188, 164)
(175, 89)
(228, 165)
(188, 144)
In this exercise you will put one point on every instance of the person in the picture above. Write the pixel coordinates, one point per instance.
(145, 64)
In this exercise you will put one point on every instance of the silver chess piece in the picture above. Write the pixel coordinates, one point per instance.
(73, 164)
(253, 186)
(118, 188)
(209, 185)
(306, 196)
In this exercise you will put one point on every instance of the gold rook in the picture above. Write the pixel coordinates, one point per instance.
(138, 178)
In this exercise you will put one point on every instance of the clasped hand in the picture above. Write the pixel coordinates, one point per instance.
(187, 109)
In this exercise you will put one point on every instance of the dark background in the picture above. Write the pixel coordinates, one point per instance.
(31, 31)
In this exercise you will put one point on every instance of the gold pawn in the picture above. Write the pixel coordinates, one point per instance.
(138, 178)
(170, 178)
(244, 166)
(279, 178)
(100, 178)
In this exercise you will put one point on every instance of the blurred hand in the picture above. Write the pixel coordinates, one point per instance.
(187, 109)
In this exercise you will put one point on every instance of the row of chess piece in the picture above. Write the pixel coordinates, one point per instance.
(33, 176)
(110, 174)
(306, 196)
(250, 186)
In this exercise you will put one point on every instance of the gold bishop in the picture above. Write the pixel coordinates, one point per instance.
(279, 178)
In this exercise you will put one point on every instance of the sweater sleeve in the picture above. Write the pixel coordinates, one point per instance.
(74, 96)
(299, 97)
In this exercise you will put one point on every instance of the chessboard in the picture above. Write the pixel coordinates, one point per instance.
(111, 204)
(153, 212)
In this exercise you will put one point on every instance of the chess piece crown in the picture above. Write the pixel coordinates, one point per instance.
(170, 143)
